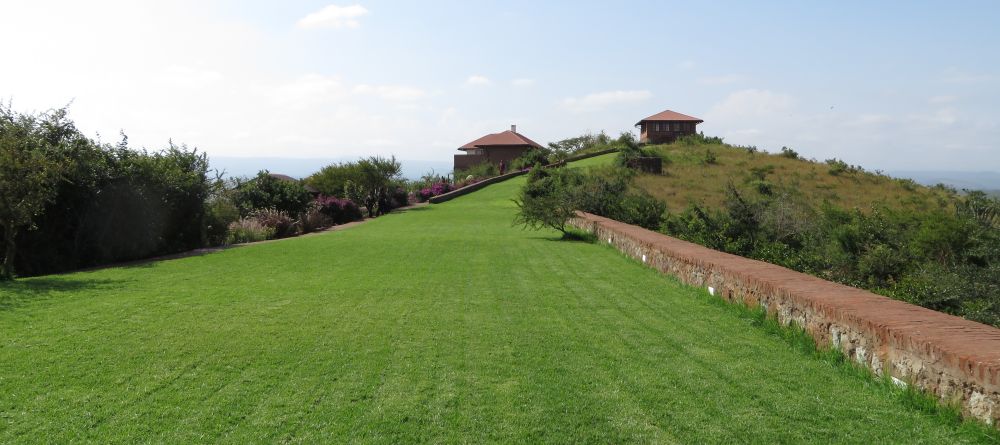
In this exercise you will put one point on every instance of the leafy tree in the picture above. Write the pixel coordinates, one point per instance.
(547, 200)
(377, 180)
(29, 171)
(332, 179)
(268, 192)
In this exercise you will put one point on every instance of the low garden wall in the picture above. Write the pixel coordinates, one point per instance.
(956, 359)
(473, 187)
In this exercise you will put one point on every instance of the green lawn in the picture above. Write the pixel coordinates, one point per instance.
(440, 324)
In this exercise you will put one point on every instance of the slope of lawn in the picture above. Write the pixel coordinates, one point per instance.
(439, 324)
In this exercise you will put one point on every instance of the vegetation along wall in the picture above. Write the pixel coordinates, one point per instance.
(956, 359)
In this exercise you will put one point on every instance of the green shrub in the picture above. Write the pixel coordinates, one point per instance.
(529, 158)
(332, 179)
(268, 192)
(837, 167)
(112, 203)
(547, 199)
(789, 153)
(586, 143)
(550, 198)
(699, 138)
(479, 171)
(219, 215)
(709, 158)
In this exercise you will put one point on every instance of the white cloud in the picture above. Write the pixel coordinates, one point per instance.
(686, 64)
(391, 92)
(310, 89)
(188, 77)
(477, 80)
(334, 16)
(720, 80)
(522, 82)
(942, 99)
(602, 100)
(752, 103)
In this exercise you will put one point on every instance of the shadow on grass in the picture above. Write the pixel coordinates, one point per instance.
(420, 208)
(14, 294)
(571, 235)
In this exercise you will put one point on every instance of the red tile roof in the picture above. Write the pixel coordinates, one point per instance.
(506, 138)
(668, 115)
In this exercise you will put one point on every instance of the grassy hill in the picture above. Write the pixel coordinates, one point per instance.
(441, 324)
(690, 178)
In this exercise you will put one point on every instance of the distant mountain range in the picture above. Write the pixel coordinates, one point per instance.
(982, 180)
(302, 167)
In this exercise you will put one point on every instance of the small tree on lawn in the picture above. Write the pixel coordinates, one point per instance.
(548, 199)
(30, 169)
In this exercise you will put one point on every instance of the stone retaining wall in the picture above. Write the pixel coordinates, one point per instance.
(956, 359)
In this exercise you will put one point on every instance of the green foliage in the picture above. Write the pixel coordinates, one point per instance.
(758, 179)
(551, 197)
(837, 167)
(586, 143)
(479, 171)
(378, 179)
(268, 192)
(547, 200)
(709, 158)
(220, 213)
(531, 157)
(699, 138)
(110, 203)
(30, 167)
(787, 152)
(332, 179)
(942, 260)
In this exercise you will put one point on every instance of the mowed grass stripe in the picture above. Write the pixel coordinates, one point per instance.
(439, 324)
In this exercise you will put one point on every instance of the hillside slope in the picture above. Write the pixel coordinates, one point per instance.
(689, 178)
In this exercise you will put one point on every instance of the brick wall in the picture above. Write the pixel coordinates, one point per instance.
(955, 359)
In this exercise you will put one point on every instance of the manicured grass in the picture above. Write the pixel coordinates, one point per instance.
(440, 324)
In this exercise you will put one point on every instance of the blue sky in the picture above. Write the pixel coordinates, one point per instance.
(888, 85)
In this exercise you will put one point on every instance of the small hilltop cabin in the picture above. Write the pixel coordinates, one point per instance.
(504, 146)
(665, 127)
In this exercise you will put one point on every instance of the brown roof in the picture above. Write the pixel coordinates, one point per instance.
(506, 138)
(668, 115)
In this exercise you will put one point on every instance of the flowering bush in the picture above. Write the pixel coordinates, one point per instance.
(437, 188)
(339, 210)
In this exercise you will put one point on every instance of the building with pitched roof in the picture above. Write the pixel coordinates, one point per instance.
(494, 148)
(666, 126)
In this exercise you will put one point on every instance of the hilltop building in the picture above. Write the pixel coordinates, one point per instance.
(493, 148)
(665, 127)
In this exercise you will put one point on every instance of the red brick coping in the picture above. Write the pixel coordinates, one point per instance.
(956, 359)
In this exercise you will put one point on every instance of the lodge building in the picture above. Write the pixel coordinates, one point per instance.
(505, 146)
(665, 127)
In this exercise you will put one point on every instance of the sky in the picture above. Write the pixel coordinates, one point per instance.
(905, 85)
